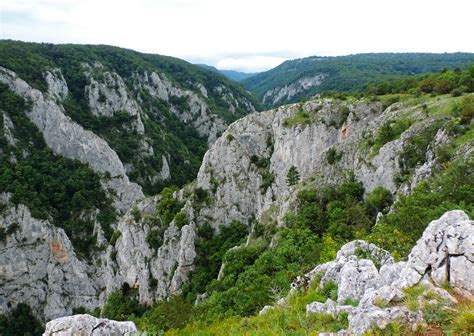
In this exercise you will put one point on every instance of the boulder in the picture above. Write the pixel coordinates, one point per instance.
(87, 325)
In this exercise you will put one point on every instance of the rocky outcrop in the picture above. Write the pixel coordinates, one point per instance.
(286, 93)
(87, 325)
(380, 293)
(193, 108)
(246, 169)
(108, 95)
(72, 141)
(156, 273)
(445, 253)
(57, 86)
(38, 266)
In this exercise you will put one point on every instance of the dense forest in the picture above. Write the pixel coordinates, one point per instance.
(350, 73)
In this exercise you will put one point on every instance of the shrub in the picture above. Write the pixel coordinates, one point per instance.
(293, 176)
(332, 155)
(389, 131)
(122, 304)
(300, 118)
(136, 214)
(164, 315)
(20, 321)
(379, 200)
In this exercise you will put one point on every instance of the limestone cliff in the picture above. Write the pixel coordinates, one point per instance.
(242, 177)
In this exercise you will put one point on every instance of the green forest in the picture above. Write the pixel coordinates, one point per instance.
(351, 73)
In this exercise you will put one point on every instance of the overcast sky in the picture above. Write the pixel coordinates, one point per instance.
(246, 35)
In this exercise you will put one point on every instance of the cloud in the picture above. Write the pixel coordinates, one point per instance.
(245, 35)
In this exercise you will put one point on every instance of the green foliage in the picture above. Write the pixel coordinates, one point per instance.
(453, 189)
(463, 321)
(116, 235)
(20, 321)
(379, 200)
(436, 314)
(167, 210)
(357, 72)
(465, 110)
(451, 81)
(293, 176)
(229, 137)
(333, 156)
(136, 214)
(300, 118)
(52, 187)
(267, 180)
(412, 295)
(351, 302)
(168, 206)
(123, 304)
(329, 291)
(164, 315)
(210, 249)
(390, 131)
(414, 151)
(180, 219)
(340, 116)
(154, 238)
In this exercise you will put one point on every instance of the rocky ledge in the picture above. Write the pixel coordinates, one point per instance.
(368, 276)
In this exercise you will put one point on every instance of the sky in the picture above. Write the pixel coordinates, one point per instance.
(245, 35)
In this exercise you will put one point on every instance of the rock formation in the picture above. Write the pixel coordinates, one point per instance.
(379, 291)
(86, 325)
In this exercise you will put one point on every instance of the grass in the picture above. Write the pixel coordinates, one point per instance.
(300, 118)
(288, 319)
(412, 295)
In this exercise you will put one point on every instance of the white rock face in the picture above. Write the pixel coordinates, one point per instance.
(137, 263)
(108, 95)
(238, 183)
(446, 241)
(38, 266)
(7, 129)
(356, 277)
(87, 325)
(57, 86)
(196, 111)
(70, 140)
(447, 249)
(285, 93)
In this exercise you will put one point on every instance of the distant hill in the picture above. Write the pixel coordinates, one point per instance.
(303, 78)
(231, 74)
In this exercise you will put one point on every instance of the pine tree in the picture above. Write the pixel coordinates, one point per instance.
(293, 176)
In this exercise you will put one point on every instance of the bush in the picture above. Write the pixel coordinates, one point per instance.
(300, 118)
(389, 131)
(164, 315)
(20, 321)
(332, 155)
(121, 305)
(379, 200)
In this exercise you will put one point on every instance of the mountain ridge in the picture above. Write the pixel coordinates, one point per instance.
(301, 79)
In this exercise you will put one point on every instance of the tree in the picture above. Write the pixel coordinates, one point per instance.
(293, 176)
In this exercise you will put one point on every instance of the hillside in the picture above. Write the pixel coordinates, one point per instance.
(159, 114)
(85, 132)
(316, 216)
(301, 79)
(237, 76)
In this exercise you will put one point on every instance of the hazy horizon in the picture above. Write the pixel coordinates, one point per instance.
(244, 36)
